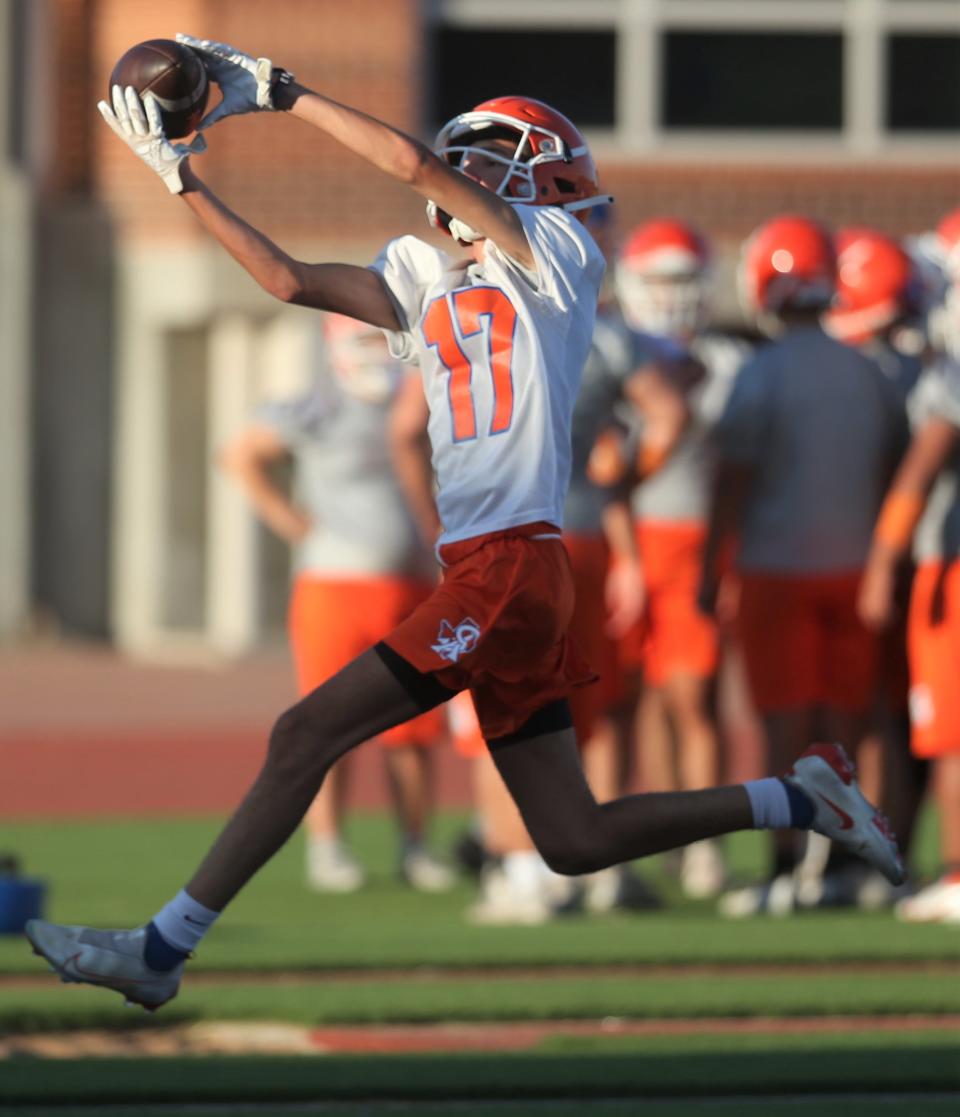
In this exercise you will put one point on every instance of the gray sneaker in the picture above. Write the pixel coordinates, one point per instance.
(112, 959)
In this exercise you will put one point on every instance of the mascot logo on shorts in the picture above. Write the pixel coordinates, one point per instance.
(453, 641)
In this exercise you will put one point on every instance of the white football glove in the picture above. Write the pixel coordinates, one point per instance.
(246, 83)
(139, 125)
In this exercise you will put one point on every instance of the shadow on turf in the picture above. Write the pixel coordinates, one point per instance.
(909, 1069)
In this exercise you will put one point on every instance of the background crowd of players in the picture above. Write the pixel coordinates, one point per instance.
(764, 539)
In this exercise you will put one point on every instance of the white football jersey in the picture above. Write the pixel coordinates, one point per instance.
(500, 349)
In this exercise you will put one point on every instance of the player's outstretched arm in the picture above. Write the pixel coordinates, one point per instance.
(341, 288)
(414, 164)
(252, 84)
(901, 512)
(344, 288)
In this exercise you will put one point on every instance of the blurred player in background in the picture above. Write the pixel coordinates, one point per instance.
(360, 569)
(878, 308)
(924, 505)
(501, 331)
(662, 284)
(809, 437)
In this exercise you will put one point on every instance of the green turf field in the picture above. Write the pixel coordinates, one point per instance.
(387, 956)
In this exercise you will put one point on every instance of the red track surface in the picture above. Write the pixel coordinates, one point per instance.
(86, 733)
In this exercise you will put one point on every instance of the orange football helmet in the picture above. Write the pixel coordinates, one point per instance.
(550, 165)
(662, 278)
(877, 285)
(788, 263)
(948, 236)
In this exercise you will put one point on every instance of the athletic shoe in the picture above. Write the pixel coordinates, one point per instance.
(424, 872)
(703, 871)
(331, 867)
(776, 897)
(500, 905)
(618, 888)
(937, 903)
(825, 775)
(112, 959)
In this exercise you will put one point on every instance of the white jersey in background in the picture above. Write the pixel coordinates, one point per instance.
(501, 351)
(681, 489)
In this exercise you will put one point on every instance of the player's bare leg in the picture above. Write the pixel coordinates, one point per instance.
(331, 867)
(576, 834)
(361, 701)
(364, 699)
(410, 775)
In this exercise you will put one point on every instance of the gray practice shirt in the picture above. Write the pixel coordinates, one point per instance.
(937, 395)
(680, 490)
(344, 479)
(822, 427)
(615, 353)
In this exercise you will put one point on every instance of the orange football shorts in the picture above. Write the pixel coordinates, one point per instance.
(803, 642)
(673, 637)
(332, 620)
(933, 639)
(497, 626)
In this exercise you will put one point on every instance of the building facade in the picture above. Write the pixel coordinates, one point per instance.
(133, 346)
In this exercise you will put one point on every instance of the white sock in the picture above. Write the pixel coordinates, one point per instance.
(769, 802)
(183, 922)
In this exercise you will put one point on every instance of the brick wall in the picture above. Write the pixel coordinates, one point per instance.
(287, 179)
(730, 200)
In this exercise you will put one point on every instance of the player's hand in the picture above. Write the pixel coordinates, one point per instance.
(247, 83)
(139, 125)
(876, 596)
(626, 597)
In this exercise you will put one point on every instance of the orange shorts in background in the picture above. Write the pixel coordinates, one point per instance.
(332, 620)
(673, 636)
(803, 642)
(933, 635)
(497, 625)
(589, 560)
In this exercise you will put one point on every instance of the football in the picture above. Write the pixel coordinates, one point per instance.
(174, 74)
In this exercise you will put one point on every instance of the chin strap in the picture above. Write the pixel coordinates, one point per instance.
(465, 234)
(588, 203)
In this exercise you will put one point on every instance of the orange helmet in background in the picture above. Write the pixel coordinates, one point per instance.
(877, 285)
(948, 237)
(550, 164)
(788, 263)
(662, 278)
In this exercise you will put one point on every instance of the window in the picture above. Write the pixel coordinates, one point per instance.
(575, 71)
(733, 79)
(923, 92)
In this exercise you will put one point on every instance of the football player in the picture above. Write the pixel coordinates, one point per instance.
(810, 433)
(923, 506)
(500, 327)
(663, 284)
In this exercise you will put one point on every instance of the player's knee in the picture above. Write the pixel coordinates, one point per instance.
(298, 744)
(571, 855)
